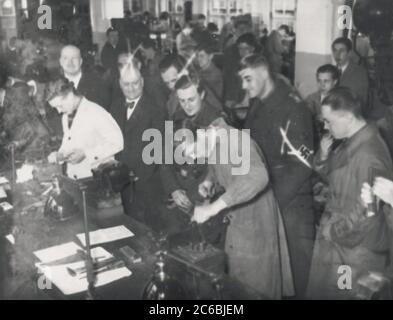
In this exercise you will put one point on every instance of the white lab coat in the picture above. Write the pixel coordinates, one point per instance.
(95, 132)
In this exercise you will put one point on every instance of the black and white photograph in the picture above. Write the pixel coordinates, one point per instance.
(212, 151)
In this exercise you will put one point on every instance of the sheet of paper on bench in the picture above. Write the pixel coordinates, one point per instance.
(59, 276)
(57, 252)
(106, 235)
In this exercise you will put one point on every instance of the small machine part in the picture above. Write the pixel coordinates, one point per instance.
(130, 255)
(60, 205)
(5, 207)
(162, 286)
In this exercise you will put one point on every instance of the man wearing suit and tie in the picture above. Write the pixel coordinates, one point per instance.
(135, 112)
(87, 83)
(352, 75)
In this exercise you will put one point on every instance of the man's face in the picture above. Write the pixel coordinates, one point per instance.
(131, 83)
(204, 59)
(242, 28)
(147, 53)
(170, 77)
(337, 122)
(113, 38)
(63, 103)
(340, 54)
(254, 81)
(245, 49)
(282, 33)
(71, 61)
(325, 82)
(190, 100)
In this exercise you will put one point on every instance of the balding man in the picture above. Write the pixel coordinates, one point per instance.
(87, 83)
(136, 112)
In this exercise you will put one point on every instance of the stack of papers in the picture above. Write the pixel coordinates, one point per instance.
(106, 235)
(62, 279)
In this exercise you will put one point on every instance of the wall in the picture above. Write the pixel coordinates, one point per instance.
(101, 11)
(316, 26)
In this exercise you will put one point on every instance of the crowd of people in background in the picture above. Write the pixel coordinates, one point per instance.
(321, 148)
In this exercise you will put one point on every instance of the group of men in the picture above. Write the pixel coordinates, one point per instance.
(144, 93)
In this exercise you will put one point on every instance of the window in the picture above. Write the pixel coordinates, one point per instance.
(284, 8)
(219, 7)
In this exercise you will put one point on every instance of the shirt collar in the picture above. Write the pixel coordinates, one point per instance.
(75, 79)
(344, 67)
(134, 100)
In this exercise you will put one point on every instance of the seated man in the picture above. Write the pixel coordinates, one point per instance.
(347, 235)
(91, 135)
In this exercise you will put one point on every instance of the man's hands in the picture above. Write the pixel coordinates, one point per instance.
(206, 189)
(205, 212)
(326, 145)
(181, 199)
(383, 189)
(74, 156)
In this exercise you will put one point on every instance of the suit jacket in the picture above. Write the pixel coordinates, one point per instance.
(145, 116)
(95, 132)
(95, 89)
(355, 78)
(109, 56)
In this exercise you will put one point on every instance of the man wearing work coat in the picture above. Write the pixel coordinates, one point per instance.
(255, 241)
(351, 241)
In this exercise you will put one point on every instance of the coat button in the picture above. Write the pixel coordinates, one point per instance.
(69, 138)
(95, 158)
(75, 176)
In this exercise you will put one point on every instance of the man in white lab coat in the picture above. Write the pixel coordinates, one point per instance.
(91, 135)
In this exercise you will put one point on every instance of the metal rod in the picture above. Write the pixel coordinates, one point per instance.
(88, 260)
(13, 168)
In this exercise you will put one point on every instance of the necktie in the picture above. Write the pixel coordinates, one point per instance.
(130, 106)
(340, 72)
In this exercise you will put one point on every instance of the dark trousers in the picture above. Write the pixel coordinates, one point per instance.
(143, 200)
(299, 225)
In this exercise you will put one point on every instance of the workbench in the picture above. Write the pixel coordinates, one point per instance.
(34, 232)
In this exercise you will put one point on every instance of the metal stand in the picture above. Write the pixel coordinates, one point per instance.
(91, 278)
(13, 168)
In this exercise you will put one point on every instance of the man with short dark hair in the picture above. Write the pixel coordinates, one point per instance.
(111, 50)
(171, 68)
(327, 78)
(352, 75)
(208, 72)
(282, 127)
(348, 235)
(181, 182)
